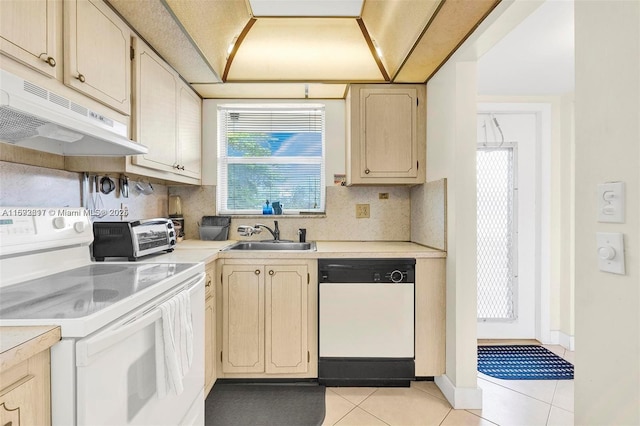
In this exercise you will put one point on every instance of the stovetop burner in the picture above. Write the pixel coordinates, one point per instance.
(81, 291)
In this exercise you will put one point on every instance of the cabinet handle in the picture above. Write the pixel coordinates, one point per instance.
(367, 171)
(181, 167)
(81, 78)
(271, 272)
(208, 284)
(257, 271)
(51, 62)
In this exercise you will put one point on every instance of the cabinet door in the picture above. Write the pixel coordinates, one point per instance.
(189, 132)
(388, 133)
(156, 103)
(209, 344)
(210, 328)
(29, 31)
(242, 319)
(97, 53)
(286, 319)
(18, 405)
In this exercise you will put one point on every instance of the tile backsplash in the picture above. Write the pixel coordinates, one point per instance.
(31, 186)
(429, 214)
(390, 219)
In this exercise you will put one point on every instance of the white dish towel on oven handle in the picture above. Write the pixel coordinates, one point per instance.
(174, 344)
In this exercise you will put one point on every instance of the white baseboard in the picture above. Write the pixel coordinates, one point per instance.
(460, 398)
(557, 337)
(567, 341)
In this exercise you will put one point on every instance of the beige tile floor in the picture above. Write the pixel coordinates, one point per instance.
(505, 403)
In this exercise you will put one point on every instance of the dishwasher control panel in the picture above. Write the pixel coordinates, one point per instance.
(397, 271)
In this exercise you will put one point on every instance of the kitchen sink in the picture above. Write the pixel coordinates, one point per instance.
(272, 245)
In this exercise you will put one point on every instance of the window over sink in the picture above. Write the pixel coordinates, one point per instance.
(271, 152)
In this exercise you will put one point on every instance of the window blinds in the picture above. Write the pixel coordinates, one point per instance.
(273, 153)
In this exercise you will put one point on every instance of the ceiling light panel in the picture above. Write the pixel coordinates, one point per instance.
(454, 21)
(396, 26)
(330, 8)
(304, 49)
(213, 25)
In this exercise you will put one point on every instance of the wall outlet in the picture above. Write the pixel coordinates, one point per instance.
(362, 211)
(383, 195)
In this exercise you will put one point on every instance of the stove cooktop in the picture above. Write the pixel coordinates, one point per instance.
(83, 291)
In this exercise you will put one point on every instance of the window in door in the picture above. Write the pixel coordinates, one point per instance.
(496, 229)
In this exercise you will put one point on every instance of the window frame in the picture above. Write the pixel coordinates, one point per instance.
(223, 161)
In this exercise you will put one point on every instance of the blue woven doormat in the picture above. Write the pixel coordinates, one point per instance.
(523, 362)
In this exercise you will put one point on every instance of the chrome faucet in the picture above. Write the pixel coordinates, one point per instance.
(247, 231)
(275, 231)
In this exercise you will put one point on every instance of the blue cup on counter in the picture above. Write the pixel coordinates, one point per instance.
(277, 207)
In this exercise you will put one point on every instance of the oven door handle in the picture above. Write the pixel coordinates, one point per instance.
(88, 348)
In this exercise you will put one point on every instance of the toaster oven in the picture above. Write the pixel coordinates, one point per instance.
(132, 239)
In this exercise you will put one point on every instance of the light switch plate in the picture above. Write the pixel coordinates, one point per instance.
(611, 202)
(610, 252)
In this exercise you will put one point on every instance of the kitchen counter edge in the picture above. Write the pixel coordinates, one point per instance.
(21, 343)
(207, 251)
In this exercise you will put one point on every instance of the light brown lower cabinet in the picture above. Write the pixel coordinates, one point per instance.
(25, 392)
(209, 329)
(430, 336)
(269, 318)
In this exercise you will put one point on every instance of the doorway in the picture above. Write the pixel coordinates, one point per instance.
(509, 222)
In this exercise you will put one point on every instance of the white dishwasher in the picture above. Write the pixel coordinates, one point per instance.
(366, 322)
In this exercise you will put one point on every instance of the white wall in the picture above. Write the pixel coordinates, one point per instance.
(607, 117)
(451, 154)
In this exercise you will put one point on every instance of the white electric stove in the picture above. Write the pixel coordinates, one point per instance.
(107, 368)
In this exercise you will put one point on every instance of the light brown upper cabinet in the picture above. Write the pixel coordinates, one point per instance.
(29, 33)
(167, 117)
(386, 134)
(97, 53)
(189, 152)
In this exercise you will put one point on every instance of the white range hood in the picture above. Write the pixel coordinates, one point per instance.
(34, 117)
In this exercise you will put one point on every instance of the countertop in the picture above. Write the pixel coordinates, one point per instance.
(207, 251)
(20, 343)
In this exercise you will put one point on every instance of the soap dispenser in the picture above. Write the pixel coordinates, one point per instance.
(266, 209)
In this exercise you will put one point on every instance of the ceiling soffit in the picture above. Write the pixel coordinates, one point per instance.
(213, 25)
(396, 26)
(271, 90)
(158, 27)
(317, 56)
(304, 49)
(452, 23)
